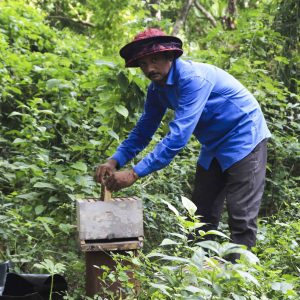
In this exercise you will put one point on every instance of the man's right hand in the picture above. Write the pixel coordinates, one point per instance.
(105, 170)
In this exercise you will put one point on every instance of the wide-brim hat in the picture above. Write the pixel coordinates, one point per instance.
(150, 41)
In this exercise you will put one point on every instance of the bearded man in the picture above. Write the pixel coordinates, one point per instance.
(221, 113)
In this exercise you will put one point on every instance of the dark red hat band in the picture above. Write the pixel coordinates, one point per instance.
(151, 48)
(148, 42)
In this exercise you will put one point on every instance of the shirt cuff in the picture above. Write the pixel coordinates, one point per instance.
(142, 169)
(120, 158)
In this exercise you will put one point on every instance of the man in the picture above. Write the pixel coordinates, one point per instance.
(222, 114)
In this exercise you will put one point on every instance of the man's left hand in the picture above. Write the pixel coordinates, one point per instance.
(120, 180)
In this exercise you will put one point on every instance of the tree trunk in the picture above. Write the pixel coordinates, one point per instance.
(182, 16)
(229, 19)
(206, 13)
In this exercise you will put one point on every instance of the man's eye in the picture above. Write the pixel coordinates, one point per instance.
(154, 60)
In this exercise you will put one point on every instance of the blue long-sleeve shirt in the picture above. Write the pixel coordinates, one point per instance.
(209, 103)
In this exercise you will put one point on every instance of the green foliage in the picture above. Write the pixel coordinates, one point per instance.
(57, 105)
(279, 240)
(65, 106)
(52, 269)
(182, 269)
(50, 266)
(254, 53)
(278, 250)
(63, 109)
(287, 22)
(111, 17)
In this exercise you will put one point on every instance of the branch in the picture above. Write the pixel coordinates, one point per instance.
(154, 13)
(232, 9)
(207, 14)
(84, 23)
(182, 17)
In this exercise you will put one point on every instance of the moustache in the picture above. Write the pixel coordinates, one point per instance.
(152, 74)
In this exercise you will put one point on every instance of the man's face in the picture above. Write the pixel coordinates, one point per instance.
(156, 67)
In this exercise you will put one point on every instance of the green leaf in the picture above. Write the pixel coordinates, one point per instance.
(19, 141)
(205, 280)
(15, 90)
(282, 286)
(53, 83)
(122, 110)
(229, 248)
(39, 209)
(45, 185)
(193, 289)
(122, 276)
(50, 266)
(99, 62)
(15, 113)
(189, 205)
(81, 166)
(53, 199)
(113, 134)
(47, 228)
(181, 236)
(136, 261)
(167, 242)
(45, 221)
(171, 207)
(173, 258)
(248, 277)
(211, 245)
(216, 232)
(46, 112)
(163, 288)
(29, 196)
(238, 297)
(38, 69)
(66, 228)
(85, 181)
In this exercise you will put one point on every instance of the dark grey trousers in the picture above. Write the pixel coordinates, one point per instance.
(242, 185)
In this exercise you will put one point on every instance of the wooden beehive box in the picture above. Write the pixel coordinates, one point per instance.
(113, 224)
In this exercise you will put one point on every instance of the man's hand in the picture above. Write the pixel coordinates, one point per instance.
(120, 180)
(105, 170)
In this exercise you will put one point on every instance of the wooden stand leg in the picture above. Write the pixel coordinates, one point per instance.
(93, 284)
(98, 259)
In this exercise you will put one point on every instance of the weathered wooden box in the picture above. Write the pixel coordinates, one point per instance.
(116, 224)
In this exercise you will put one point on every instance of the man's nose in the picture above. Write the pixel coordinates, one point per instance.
(149, 68)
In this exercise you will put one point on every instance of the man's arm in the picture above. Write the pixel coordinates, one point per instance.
(143, 131)
(137, 140)
(194, 93)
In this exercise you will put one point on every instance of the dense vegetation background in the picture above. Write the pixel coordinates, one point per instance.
(66, 101)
